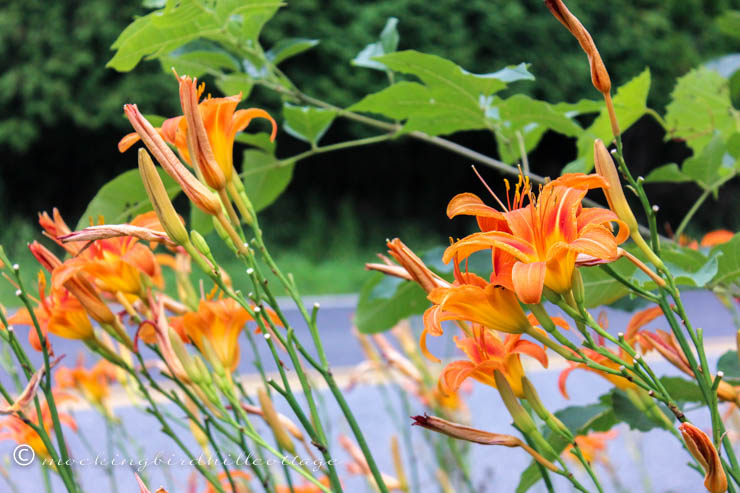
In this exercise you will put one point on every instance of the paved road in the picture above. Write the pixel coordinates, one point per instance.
(497, 469)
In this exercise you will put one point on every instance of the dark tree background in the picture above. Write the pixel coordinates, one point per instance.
(60, 109)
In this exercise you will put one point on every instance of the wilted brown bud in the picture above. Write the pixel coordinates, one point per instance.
(599, 75)
(197, 192)
(25, 398)
(462, 432)
(703, 450)
(105, 231)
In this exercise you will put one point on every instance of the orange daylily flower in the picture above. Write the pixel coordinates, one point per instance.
(713, 238)
(14, 428)
(547, 238)
(486, 352)
(93, 383)
(222, 121)
(115, 264)
(58, 312)
(220, 321)
(593, 446)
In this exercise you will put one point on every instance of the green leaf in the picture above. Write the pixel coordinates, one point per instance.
(601, 288)
(235, 83)
(689, 267)
(667, 173)
(123, 198)
(384, 301)
(288, 48)
(728, 269)
(265, 177)
(388, 43)
(437, 72)
(630, 104)
(627, 412)
(307, 122)
(531, 118)
(582, 107)
(729, 364)
(260, 140)
(705, 167)
(700, 107)
(514, 73)
(729, 23)
(164, 30)
(200, 221)
(683, 390)
(437, 111)
(198, 62)
(389, 36)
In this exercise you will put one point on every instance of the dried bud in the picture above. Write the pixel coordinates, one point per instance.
(105, 231)
(703, 450)
(197, 192)
(614, 194)
(599, 75)
(462, 432)
(25, 398)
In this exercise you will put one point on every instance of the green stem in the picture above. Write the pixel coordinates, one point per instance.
(694, 208)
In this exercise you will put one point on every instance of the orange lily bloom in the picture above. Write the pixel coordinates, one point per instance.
(93, 383)
(547, 238)
(115, 264)
(474, 300)
(486, 352)
(593, 446)
(240, 478)
(713, 238)
(13, 428)
(219, 321)
(222, 122)
(59, 313)
(305, 487)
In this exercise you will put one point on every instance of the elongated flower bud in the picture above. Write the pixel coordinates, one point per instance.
(521, 418)
(614, 194)
(197, 192)
(161, 203)
(272, 418)
(530, 393)
(599, 74)
(462, 432)
(703, 450)
(199, 147)
(419, 272)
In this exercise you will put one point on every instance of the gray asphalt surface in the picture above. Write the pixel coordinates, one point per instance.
(636, 458)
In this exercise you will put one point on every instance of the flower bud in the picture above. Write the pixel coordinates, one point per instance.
(161, 203)
(197, 192)
(703, 450)
(579, 291)
(199, 147)
(530, 393)
(614, 193)
(521, 418)
(272, 418)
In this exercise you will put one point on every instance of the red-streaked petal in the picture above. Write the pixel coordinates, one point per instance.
(531, 349)
(529, 279)
(243, 117)
(520, 249)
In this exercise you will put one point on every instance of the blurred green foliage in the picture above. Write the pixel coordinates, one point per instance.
(669, 36)
(53, 54)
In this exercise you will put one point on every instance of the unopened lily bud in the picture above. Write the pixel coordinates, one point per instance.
(200, 243)
(199, 147)
(462, 432)
(199, 194)
(530, 393)
(161, 203)
(579, 291)
(703, 450)
(183, 356)
(521, 418)
(599, 74)
(213, 359)
(272, 418)
(614, 194)
(224, 235)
